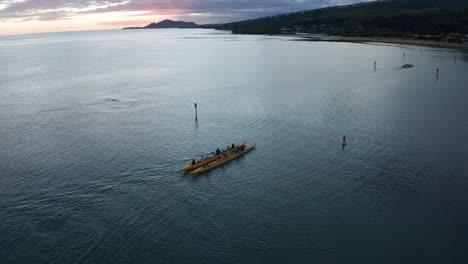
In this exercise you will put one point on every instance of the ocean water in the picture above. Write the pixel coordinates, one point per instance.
(96, 125)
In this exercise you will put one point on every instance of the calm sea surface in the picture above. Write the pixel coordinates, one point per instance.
(94, 127)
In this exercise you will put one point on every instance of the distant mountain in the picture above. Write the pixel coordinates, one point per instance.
(168, 24)
(398, 18)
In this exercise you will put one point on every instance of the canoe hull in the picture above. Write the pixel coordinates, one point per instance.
(220, 162)
(202, 163)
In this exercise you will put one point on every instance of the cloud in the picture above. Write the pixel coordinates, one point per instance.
(35, 16)
(39, 9)
(220, 10)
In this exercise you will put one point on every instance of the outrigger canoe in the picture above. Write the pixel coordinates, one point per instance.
(223, 160)
(208, 160)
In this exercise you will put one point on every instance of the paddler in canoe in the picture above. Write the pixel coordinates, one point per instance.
(226, 158)
(216, 155)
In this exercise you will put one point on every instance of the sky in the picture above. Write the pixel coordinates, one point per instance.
(37, 16)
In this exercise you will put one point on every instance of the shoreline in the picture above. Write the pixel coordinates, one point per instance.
(413, 42)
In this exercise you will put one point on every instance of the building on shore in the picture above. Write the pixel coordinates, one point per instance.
(454, 38)
(286, 30)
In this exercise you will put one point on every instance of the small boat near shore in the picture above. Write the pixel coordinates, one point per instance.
(223, 160)
(211, 159)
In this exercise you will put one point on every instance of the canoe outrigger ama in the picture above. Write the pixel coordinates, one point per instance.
(224, 159)
(211, 159)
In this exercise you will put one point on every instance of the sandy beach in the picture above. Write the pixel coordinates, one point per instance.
(415, 42)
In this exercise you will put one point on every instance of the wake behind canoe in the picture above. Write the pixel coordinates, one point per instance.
(211, 159)
(223, 160)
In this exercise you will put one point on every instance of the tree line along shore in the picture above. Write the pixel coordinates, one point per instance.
(417, 21)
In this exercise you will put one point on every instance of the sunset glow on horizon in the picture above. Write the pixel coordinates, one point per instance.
(33, 16)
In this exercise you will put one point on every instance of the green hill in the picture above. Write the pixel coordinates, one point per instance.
(396, 18)
(168, 24)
